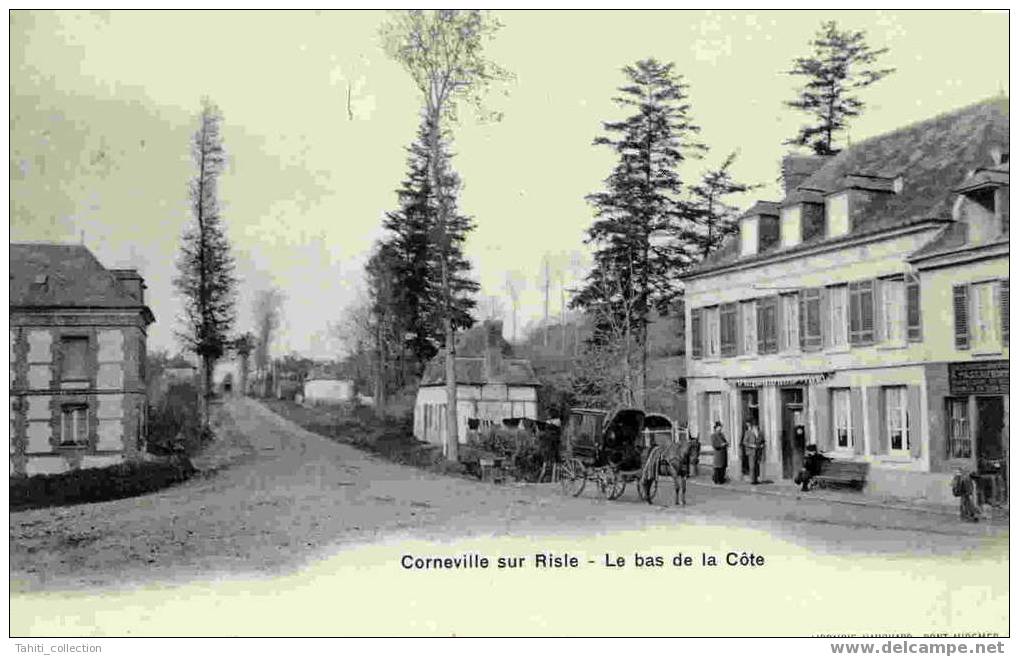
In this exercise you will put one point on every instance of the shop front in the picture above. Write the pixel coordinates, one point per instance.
(971, 417)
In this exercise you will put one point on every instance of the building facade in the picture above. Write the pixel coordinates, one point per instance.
(869, 307)
(491, 387)
(77, 360)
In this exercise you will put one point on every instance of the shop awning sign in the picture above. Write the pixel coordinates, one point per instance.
(978, 378)
(778, 380)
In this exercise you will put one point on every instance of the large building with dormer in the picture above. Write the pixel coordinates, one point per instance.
(868, 306)
(77, 360)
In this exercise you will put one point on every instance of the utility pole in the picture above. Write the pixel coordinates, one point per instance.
(546, 299)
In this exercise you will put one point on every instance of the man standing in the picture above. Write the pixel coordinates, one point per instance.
(753, 445)
(720, 459)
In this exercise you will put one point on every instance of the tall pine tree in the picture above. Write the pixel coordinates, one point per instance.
(410, 254)
(205, 266)
(841, 64)
(637, 213)
(708, 218)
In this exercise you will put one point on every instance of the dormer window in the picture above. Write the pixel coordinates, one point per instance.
(792, 229)
(748, 230)
(838, 214)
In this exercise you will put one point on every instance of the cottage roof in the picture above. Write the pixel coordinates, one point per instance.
(930, 159)
(64, 275)
(472, 371)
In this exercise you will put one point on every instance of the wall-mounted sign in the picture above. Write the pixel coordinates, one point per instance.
(978, 378)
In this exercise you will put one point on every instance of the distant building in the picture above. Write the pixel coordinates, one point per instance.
(77, 360)
(323, 386)
(869, 307)
(490, 386)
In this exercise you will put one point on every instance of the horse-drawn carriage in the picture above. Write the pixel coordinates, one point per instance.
(612, 449)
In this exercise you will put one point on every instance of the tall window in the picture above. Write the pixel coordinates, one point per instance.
(74, 424)
(985, 322)
(790, 322)
(714, 410)
(893, 306)
(696, 333)
(960, 445)
(897, 419)
(838, 215)
(838, 325)
(73, 351)
(792, 230)
(713, 344)
(841, 418)
(749, 323)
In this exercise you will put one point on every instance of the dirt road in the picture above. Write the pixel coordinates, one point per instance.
(282, 497)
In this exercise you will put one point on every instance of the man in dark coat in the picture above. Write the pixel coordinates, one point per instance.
(721, 456)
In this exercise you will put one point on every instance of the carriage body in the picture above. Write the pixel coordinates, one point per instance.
(604, 446)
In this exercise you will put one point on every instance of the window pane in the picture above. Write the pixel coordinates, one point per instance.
(74, 351)
(81, 426)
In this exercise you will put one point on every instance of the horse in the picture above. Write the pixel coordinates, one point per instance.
(676, 458)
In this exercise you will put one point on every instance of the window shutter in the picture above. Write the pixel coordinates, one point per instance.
(824, 318)
(1003, 302)
(913, 421)
(853, 303)
(696, 343)
(825, 436)
(856, 417)
(877, 418)
(914, 325)
(767, 325)
(960, 304)
(774, 316)
(727, 329)
(762, 332)
(867, 315)
(878, 291)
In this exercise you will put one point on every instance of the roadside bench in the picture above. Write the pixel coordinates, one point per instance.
(841, 473)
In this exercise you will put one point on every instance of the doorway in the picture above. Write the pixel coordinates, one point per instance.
(792, 442)
(750, 411)
(991, 450)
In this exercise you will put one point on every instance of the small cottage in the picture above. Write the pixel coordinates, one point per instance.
(491, 386)
(324, 386)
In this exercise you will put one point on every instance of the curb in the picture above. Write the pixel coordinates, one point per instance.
(949, 511)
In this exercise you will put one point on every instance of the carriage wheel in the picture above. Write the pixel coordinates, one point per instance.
(572, 477)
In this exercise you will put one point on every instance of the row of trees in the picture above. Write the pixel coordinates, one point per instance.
(650, 228)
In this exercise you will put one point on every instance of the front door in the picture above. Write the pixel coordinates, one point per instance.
(990, 422)
(750, 412)
(792, 417)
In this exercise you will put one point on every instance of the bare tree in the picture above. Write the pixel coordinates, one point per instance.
(442, 50)
(268, 311)
(514, 285)
(205, 266)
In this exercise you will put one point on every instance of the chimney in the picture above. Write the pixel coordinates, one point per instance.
(132, 283)
(797, 168)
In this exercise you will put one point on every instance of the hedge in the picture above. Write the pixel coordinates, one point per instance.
(98, 484)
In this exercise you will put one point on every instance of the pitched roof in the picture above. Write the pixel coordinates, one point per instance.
(48, 275)
(472, 371)
(932, 158)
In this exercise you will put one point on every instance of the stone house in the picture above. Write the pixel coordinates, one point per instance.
(491, 386)
(77, 360)
(868, 306)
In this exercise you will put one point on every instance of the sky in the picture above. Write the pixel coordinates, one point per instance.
(103, 106)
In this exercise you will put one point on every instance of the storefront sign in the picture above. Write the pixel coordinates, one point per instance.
(983, 378)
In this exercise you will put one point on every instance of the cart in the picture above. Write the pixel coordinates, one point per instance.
(604, 447)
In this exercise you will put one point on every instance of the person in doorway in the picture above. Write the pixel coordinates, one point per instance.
(753, 446)
(720, 459)
(963, 488)
(744, 460)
